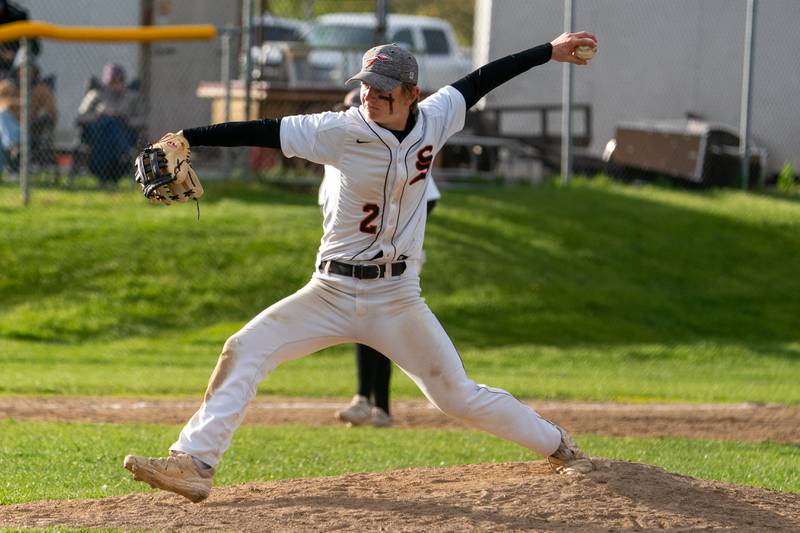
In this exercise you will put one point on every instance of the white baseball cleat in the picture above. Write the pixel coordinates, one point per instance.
(177, 473)
(569, 458)
(380, 418)
(358, 413)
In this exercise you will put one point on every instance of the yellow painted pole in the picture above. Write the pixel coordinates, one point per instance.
(18, 30)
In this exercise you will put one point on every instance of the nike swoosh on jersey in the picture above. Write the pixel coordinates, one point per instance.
(359, 141)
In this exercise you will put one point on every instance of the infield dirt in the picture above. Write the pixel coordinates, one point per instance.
(619, 496)
(743, 421)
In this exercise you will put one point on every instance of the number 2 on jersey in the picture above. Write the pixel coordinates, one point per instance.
(372, 212)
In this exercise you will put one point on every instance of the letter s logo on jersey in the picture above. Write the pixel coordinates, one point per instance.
(424, 160)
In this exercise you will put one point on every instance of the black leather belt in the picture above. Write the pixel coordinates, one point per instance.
(361, 271)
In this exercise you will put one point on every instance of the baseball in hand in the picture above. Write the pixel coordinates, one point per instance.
(585, 52)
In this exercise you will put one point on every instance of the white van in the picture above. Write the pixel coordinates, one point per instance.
(338, 40)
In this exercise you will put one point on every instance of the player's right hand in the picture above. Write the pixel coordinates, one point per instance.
(565, 44)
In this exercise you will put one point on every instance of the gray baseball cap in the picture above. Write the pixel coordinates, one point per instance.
(387, 66)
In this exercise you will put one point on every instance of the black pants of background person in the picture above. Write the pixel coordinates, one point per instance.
(374, 374)
(110, 140)
(375, 369)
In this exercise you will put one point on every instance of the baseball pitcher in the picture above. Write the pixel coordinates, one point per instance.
(365, 285)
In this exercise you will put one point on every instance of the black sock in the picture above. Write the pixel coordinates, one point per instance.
(383, 375)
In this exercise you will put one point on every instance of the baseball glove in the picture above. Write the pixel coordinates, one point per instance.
(165, 172)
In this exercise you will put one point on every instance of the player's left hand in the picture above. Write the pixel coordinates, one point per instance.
(565, 44)
(165, 173)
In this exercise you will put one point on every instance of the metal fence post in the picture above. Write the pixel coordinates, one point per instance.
(747, 85)
(226, 81)
(381, 12)
(247, 44)
(24, 119)
(566, 101)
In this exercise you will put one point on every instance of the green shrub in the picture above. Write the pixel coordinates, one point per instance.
(786, 179)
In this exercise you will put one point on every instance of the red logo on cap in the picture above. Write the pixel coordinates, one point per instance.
(382, 57)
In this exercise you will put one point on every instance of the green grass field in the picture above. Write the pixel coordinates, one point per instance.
(49, 460)
(599, 291)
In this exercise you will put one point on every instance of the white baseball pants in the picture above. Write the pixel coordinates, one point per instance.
(386, 314)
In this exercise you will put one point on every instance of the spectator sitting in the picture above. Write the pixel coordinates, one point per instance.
(10, 12)
(110, 118)
(43, 111)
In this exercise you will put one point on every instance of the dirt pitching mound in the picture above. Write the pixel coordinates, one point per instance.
(496, 497)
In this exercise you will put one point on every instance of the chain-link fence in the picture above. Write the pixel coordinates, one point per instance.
(663, 97)
(92, 104)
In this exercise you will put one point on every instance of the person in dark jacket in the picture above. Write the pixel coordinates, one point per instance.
(110, 117)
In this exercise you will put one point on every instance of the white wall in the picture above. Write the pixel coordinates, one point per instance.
(776, 86)
(178, 68)
(659, 59)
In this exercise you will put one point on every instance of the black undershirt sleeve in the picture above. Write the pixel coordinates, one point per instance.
(478, 83)
(265, 132)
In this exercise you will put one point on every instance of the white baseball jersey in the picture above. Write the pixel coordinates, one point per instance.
(374, 211)
(433, 191)
(375, 206)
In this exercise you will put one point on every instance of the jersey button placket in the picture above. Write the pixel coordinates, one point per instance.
(391, 206)
(395, 194)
